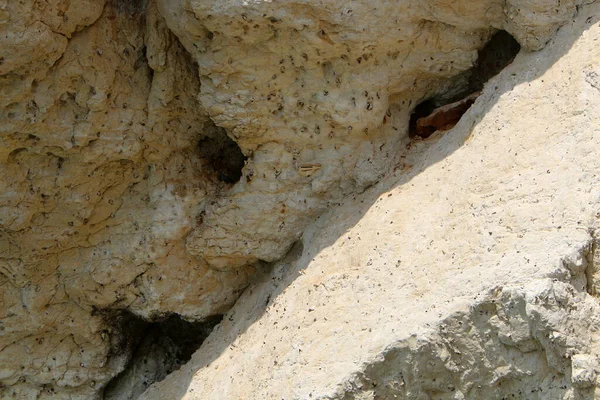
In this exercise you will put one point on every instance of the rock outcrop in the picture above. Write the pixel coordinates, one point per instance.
(468, 273)
(102, 181)
(326, 83)
(157, 154)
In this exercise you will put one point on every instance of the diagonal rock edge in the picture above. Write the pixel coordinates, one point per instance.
(520, 337)
(433, 388)
(539, 316)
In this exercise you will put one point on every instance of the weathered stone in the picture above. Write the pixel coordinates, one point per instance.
(583, 373)
(101, 183)
(154, 153)
(314, 82)
(462, 275)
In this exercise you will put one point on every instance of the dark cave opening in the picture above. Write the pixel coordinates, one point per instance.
(130, 7)
(422, 110)
(443, 111)
(221, 154)
(496, 55)
(156, 349)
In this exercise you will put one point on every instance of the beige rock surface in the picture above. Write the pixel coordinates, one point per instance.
(101, 183)
(113, 197)
(462, 275)
(316, 82)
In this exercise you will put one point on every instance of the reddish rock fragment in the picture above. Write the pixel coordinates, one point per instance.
(443, 118)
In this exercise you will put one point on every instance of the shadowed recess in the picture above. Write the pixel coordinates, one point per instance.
(157, 349)
(443, 111)
(130, 7)
(221, 154)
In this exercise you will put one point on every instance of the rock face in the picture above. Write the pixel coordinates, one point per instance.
(156, 153)
(467, 274)
(328, 83)
(102, 181)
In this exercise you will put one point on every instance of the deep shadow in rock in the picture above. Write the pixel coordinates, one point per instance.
(222, 156)
(422, 110)
(130, 7)
(157, 349)
(496, 55)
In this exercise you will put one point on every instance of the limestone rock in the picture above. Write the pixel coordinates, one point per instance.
(101, 183)
(460, 276)
(155, 154)
(583, 373)
(318, 82)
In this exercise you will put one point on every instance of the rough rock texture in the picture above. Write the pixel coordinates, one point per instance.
(466, 273)
(101, 183)
(165, 346)
(317, 82)
(123, 128)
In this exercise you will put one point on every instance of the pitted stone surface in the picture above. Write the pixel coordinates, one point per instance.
(319, 82)
(468, 273)
(106, 201)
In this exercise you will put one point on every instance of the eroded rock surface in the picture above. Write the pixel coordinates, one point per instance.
(101, 183)
(328, 83)
(153, 152)
(469, 273)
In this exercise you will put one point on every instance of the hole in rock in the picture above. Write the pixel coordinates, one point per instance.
(496, 55)
(130, 7)
(443, 111)
(427, 119)
(221, 154)
(421, 111)
(157, 349)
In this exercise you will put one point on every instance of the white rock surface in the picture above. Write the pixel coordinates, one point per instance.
(461, 275)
